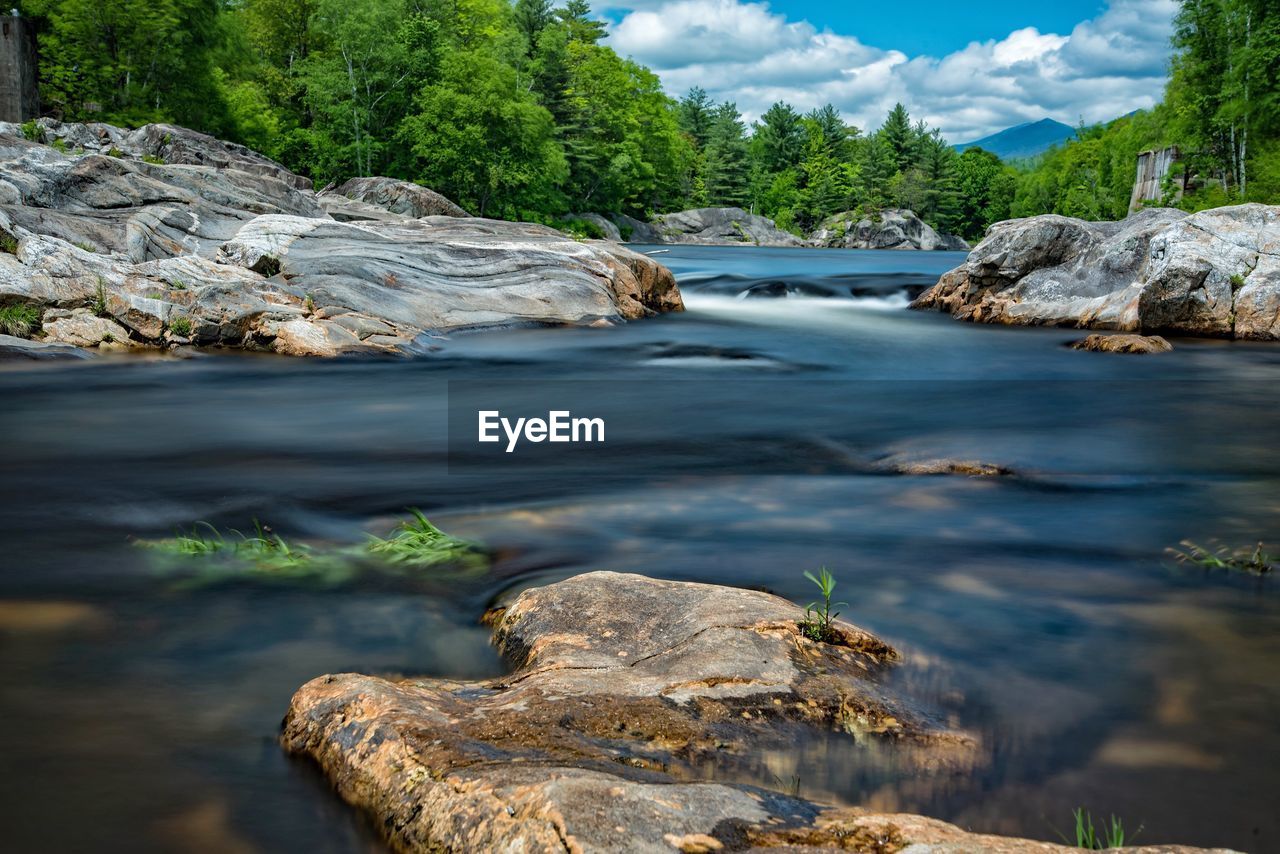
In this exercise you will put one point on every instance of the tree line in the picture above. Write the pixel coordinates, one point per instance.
(518, 110)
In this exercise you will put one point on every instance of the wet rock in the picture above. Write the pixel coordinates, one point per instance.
(721, 227)
(1123, 344)
(624, 688)
(892, 229)
(964, 468)
(18, 349)
(1214, 273)
(407, 199)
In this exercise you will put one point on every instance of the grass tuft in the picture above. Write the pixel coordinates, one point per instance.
(1255, 560)
(818, 616)
(180, 325)
(417, 542)
(99, 304)
(1110, 835)
(21, 320)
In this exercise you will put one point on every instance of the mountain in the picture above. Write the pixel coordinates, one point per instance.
(1024, 140)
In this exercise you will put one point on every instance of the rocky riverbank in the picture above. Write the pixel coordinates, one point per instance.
(1215, 273)
(625, 690)
(164, 237)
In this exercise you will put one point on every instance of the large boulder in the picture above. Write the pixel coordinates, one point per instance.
(1214, 273)
(722, 227)
(626, 691)
(440, 274)
(891, 229)
(226, 250)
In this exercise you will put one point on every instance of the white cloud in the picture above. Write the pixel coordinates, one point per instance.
(745, 52)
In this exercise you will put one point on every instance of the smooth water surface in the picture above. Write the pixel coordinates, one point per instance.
(751, 438)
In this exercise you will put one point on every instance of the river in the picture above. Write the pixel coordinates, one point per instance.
(750, 438)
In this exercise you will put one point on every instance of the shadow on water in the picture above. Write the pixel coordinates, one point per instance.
(749, 439)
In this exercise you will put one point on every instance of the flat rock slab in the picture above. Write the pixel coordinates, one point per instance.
(1137, 344)
(624, 689)
(1215, 273)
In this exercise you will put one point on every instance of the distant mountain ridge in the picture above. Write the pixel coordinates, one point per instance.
(1024, 140)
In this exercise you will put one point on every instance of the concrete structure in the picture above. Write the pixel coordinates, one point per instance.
(19, 94)
(1149, 184)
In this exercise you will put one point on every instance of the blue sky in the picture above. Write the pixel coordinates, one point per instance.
(968, 68)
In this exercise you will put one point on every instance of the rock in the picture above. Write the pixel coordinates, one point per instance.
(1123, 344)
(1214, 273)
(625, 689)
(232, 249)
(892, 229)
(398, 197)
(82, 328)
(170, 143)
(444, 273)
(607, 230)
(722, 227)
(633, 230)
(12, 349)
(965, 468)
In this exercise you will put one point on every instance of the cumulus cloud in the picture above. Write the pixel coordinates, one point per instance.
(745, 52)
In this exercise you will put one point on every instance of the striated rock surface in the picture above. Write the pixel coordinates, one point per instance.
(1215, 273)
(893, 229)
(228, 248)
(1123, 344)
(397, 197)
(625, 689)
(721, 226)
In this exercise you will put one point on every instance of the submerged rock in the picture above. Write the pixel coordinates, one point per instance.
(15, 349)
(625, 689)
(226, 248)
(722, 227)
(892, 229)
(1123, 344)
(1214, 273)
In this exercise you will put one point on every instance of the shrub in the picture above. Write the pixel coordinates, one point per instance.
(31, 130)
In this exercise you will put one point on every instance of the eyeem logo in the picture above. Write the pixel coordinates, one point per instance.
(559, 426)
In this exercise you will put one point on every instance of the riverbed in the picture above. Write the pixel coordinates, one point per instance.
(756, 435)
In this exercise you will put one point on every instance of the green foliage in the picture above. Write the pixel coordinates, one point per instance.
(8, 243)
(1254, 559)
(581, 229)
(21, 320)
(99, 302)
(1110, 835)
(417, 542)
(818, 617)
(59, 145)
(31, 131)
(85, 247)
(153, 159)
(180, 325)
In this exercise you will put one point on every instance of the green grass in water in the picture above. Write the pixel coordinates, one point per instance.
(1255, 559)
(417, 542)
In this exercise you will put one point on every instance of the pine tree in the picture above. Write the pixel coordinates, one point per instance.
(696, 114)
(725, 168)
(900, 138)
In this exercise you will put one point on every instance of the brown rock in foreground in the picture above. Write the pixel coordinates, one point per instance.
(1123, 344)
(625, 689)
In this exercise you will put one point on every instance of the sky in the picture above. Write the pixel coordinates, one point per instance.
(968, 68)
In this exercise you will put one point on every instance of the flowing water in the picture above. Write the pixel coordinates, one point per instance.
(749, 439)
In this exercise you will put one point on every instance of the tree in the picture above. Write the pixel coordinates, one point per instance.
(900, 138)
(696, 112)
(479, 140)
(779, 139)
(576, 16)
(725, 167)
(986, 187)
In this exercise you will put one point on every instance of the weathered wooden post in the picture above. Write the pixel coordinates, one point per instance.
(19, 94)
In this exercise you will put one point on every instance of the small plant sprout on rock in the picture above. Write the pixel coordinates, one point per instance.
(1110, 835)
(816, 624)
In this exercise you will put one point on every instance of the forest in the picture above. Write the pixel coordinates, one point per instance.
(522, 111)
